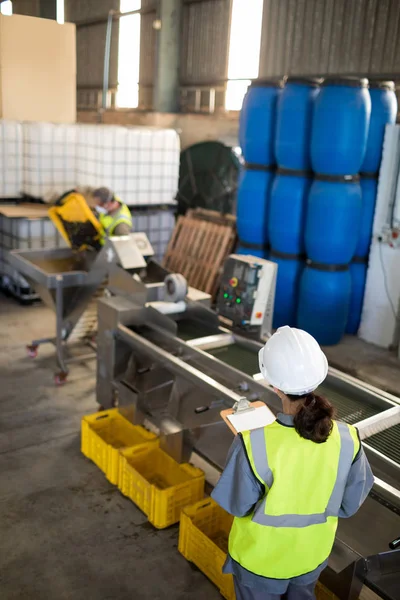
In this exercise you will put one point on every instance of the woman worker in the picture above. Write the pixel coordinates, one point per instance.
(288, 483)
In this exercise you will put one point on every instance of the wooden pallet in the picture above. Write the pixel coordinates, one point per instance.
(199, 245)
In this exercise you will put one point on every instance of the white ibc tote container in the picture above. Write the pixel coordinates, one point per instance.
(10, 159)
(49, 159)
(140, 164)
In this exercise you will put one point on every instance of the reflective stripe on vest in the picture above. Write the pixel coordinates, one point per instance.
(292, 528)
(259, 451)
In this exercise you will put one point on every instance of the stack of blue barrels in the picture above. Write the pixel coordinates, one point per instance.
(341, 119)
(288, 202)
(256, 138)
(316, 213)
(344, 142)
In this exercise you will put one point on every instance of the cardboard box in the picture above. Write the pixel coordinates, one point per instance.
(37, 70)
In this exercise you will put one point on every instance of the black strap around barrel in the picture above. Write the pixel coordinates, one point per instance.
(366, 175)
(286, 256)
(294, 172)
(337, 178)
(257, 167)
(253, 246)
(328, 268)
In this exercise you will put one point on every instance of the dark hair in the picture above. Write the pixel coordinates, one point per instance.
(104, 194)
(314, 419)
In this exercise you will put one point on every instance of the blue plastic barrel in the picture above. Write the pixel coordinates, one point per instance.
(358, 272)
(384, 111)
(324, 301)
(257, 122)
(333, 220)
(340, 125)
(369, 187)
(252, 251)
(253, 206)
(287, 288)
(287, 212)
(293, 124)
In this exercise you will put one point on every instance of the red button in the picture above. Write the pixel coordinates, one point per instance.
(258, 315)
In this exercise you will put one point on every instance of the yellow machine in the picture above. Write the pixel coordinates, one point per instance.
(76, 222)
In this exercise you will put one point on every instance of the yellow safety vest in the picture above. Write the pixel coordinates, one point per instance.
(292, 529)
(110, 222)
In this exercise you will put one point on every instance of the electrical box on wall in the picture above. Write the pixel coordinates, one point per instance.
(247, 293)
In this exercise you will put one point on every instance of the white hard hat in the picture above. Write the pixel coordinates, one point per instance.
(293, 362)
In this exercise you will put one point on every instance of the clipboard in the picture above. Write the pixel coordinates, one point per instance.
(248, 410)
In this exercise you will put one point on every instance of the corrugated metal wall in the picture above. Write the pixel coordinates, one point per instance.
(30, 8)
(205, 39)
(320, 37)
(299, 37)
(204, 51)
(90, 41)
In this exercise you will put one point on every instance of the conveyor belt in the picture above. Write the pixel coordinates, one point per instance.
(238, 357)
(387, 442)
(348, 409)
(245, 360)
(191, 330)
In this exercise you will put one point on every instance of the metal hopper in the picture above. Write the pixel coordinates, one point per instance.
(66, 281)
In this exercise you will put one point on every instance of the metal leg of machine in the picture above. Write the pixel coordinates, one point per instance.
(62, 375)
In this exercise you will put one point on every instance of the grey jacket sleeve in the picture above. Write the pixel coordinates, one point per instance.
(122, 229)
(238, 489)
(358, 486)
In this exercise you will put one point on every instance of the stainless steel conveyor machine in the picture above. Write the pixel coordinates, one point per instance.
(174, 372)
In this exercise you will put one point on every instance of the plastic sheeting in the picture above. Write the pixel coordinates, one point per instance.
(380, 320)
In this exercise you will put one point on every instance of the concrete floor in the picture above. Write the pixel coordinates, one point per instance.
(65, 532)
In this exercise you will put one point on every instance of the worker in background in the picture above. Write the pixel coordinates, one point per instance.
(114, 215)
(287, 483)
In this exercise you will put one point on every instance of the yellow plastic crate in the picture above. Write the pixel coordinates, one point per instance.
(203, 540)
(159, 485)
(73, 208)
(105, 434)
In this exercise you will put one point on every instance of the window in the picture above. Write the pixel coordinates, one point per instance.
(128, 56)
(6, 8)
(244, 50)
(60, 11)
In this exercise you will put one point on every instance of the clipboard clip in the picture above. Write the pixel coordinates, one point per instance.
(241, 406)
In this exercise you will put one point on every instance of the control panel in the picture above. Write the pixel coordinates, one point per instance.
(247, 292)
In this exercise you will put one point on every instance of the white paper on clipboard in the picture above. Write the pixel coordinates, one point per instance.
(252, 419)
